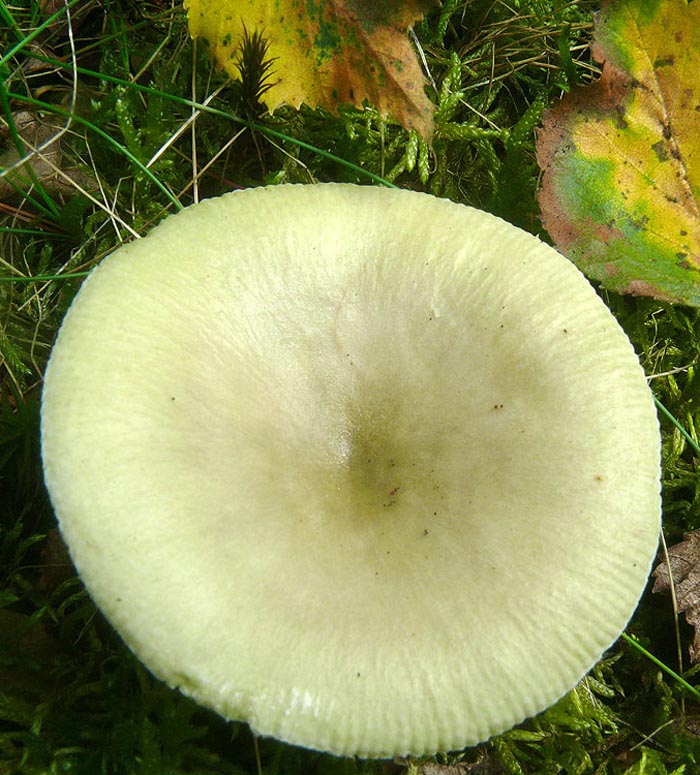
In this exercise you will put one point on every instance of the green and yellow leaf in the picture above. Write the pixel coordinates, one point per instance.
(620, 192)
(326, 52)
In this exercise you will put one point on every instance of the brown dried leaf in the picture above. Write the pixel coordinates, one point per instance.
(684, 559)
(689, 725)
(485, 764)
(43, 143)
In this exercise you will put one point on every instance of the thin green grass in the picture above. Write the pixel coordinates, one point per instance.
(148, 128)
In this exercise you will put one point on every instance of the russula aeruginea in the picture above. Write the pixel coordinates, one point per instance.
(373, 471)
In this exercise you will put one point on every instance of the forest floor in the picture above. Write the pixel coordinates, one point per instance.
(120, 120)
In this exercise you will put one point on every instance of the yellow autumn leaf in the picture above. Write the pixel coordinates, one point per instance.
(620, 191)
(326, 53)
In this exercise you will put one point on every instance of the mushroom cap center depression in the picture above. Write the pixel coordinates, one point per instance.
(317, 412)
(374, 426)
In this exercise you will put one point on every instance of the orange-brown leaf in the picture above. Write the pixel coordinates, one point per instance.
(326, 52)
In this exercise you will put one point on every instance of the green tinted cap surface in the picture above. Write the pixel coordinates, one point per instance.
(375, 472)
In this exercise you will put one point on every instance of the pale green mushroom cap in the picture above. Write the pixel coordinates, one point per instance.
(375, 472)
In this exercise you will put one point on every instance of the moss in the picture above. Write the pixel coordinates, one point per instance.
(72, 698)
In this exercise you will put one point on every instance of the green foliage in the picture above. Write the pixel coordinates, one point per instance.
(651, 763)
(149, 126)
(572, 736)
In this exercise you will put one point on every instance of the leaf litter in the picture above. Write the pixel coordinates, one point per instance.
(684, 562)
(325, 54)
(620, 193)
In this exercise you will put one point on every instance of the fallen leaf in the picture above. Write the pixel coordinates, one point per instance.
(325, 52)
(486, 764)
(684, 559)
(690, 725)
(43, 159)
(620, 192)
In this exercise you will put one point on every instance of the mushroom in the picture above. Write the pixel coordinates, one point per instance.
(375, 472)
